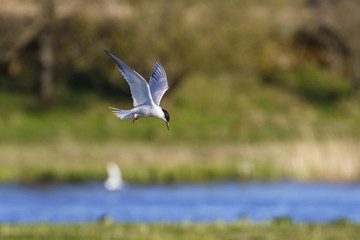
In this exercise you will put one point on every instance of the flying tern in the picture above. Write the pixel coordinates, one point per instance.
(146, 97)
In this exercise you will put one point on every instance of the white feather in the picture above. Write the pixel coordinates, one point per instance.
(114, 180)
(158, 83)
(140, 90)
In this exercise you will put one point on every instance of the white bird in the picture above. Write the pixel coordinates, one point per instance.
(114, 180)
(146, 97)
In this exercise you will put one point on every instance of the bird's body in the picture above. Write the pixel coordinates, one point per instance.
(148, 110)
(146, 97)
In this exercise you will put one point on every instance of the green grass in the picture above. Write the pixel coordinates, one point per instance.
(68, 160)
(280, 230)
(251, 112)
(248, 132)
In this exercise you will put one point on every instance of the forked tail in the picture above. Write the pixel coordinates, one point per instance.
(122, 114)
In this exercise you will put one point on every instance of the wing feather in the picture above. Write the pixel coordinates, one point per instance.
(158, 83)
(140, 90)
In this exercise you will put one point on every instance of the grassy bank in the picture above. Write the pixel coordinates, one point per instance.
(67, 160)
(271, 135)
(241, 230)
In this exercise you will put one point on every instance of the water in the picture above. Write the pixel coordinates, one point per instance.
(226, 202)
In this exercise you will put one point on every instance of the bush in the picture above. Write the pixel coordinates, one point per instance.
(314, 85)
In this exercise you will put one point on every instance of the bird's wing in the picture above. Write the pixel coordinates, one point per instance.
(158, 83)
(139, 87)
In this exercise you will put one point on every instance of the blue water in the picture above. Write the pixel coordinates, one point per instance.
(226, 202)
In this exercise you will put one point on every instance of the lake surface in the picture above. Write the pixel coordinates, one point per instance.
(226, 202)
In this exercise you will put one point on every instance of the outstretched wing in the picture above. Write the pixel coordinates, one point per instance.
(139, 87)
(158, 83)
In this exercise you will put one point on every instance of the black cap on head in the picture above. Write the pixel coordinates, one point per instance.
(167, 116)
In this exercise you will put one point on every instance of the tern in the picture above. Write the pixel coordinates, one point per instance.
(146, 97)
(114, 180)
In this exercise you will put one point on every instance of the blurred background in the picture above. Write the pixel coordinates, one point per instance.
(259, 90)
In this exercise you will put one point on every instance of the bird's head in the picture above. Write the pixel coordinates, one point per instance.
(166, 118)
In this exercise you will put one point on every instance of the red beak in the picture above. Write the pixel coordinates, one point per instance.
(167, 124)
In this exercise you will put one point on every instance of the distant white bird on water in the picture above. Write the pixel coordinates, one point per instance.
(114, 180)
(146, 97)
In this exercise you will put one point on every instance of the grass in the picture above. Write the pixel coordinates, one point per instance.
(242, 113)
(241, 230)
(75, 161)
(249, 132)
(257, 132)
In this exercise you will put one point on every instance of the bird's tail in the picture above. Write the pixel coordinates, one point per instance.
(122, 114)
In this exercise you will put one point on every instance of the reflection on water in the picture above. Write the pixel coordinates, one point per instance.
(196, 203)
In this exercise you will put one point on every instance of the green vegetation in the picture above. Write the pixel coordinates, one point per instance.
(241, 230)
(254, 93)
(67, 160)
(312, 84)
(250, 132)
